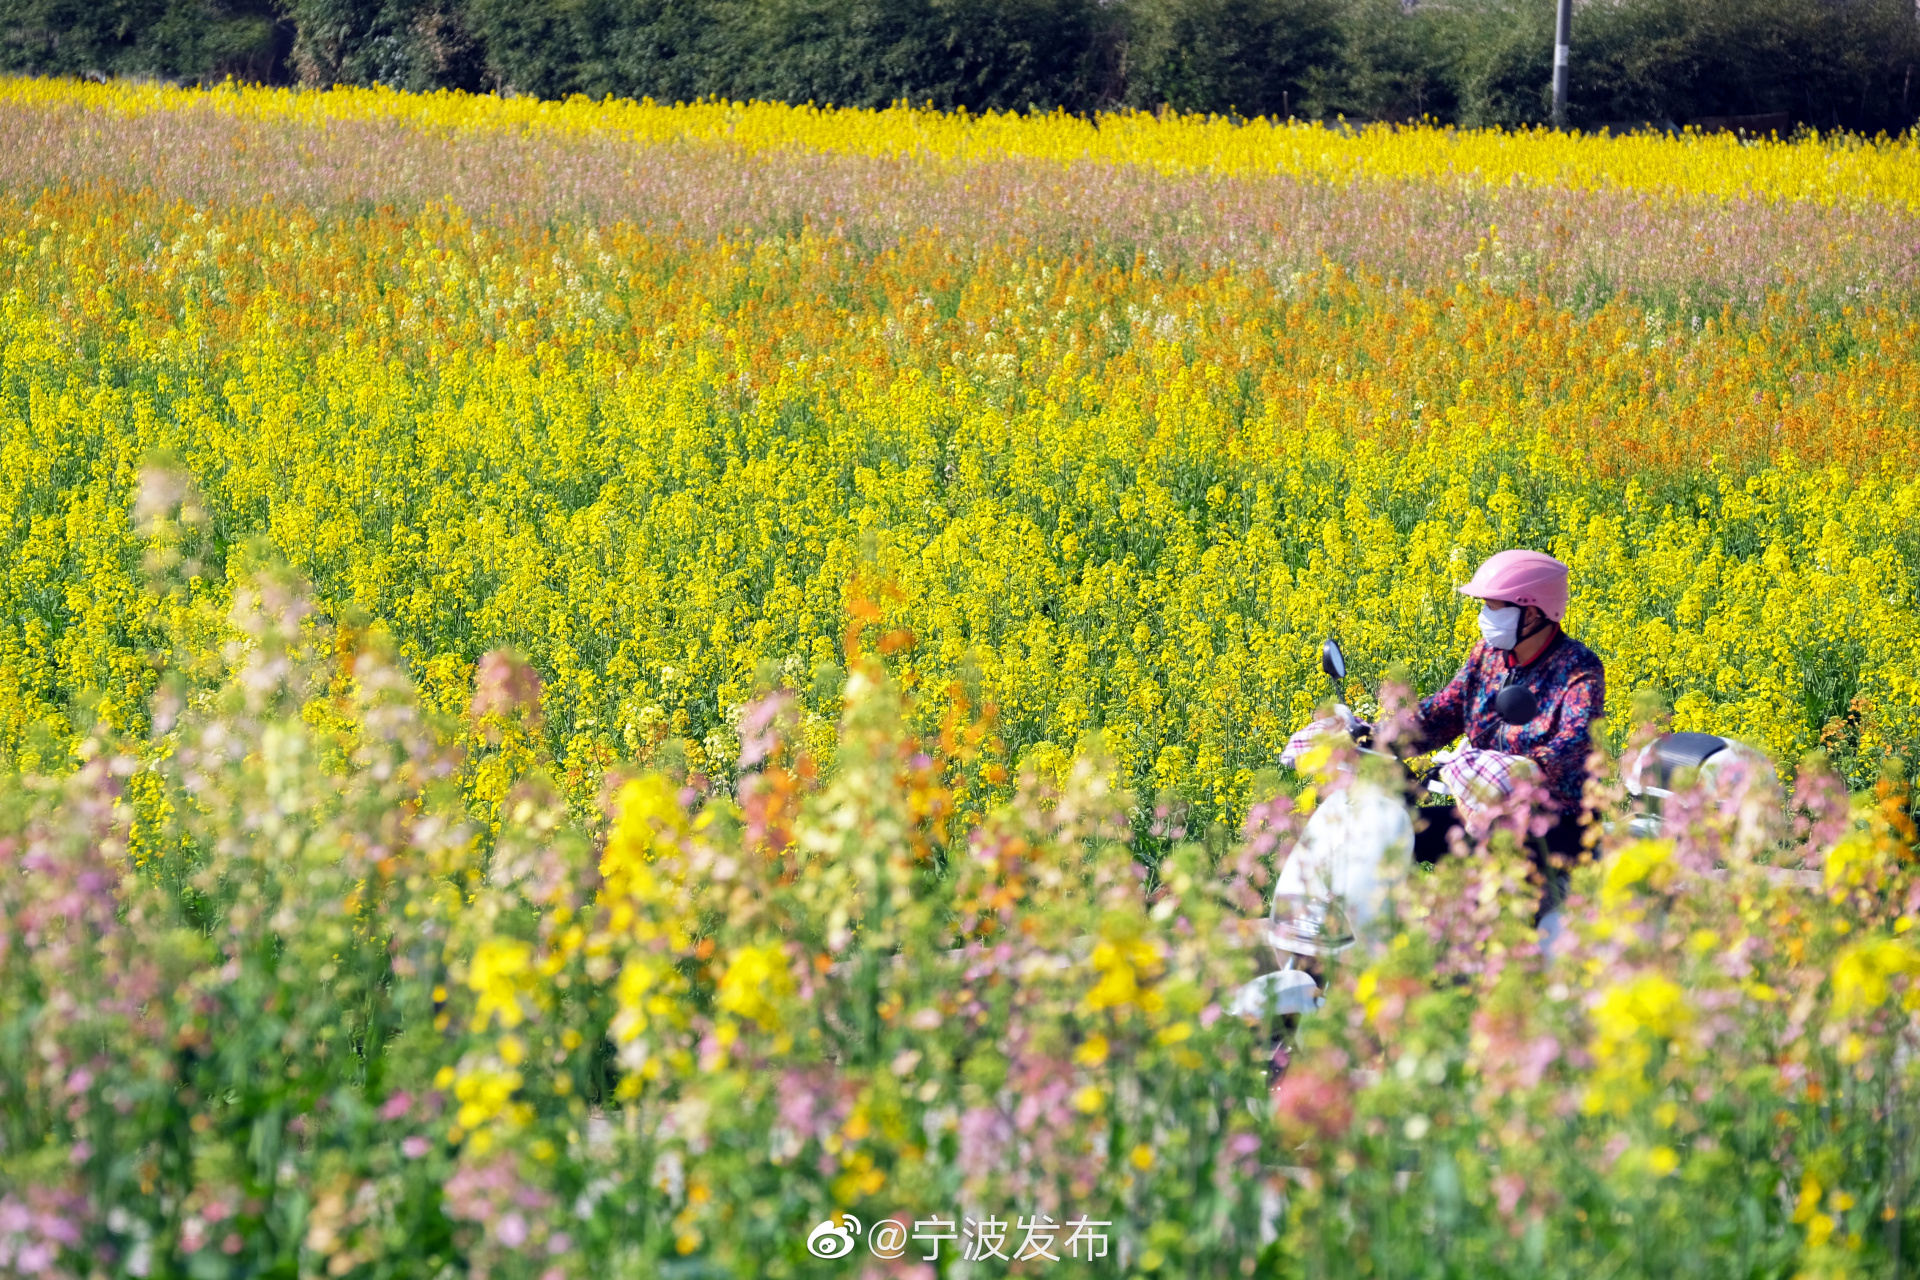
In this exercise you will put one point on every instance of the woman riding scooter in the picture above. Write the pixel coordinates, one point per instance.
(1525, 701)
(1523, 597)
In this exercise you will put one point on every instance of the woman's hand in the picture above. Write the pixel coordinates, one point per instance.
(1341, 722)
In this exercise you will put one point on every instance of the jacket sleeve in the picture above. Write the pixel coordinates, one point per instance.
(1563, 757)
(1443, 717)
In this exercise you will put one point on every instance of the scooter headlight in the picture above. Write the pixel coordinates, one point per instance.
(1304, 925)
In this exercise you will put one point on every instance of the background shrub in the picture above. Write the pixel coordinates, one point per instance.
(191, 39)
(1257, 57)
(1825, 63)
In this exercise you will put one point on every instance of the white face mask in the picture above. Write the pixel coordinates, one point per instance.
(1500, 628)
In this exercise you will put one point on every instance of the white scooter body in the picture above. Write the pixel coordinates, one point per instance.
(1355, 848)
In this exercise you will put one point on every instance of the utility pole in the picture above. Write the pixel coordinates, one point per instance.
(1562, 30)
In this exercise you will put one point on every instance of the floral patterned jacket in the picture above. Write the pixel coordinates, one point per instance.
(1571, 687)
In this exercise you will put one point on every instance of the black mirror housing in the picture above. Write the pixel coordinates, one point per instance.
(1333, 661)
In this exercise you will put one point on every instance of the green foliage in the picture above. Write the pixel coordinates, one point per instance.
(1488, 62)
(980, 54)
(204, 40)
(1824, 63)
(673, 50)
(1255, 57)
(408, 44)
(1388, 66)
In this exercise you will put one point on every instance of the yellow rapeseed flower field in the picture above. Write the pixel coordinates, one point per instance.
(1103, 486)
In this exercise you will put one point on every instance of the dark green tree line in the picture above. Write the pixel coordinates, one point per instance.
(1825, 63)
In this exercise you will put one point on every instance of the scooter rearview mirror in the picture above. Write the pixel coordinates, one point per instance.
(1516, 704)
(1332, 661)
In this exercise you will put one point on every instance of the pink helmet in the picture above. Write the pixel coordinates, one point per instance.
(1522, 577)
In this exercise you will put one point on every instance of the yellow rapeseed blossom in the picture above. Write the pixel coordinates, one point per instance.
(501, 976)
(1851, 862)
(1863, 974)
(650, 819)
(644, 991)
(485, 1093)
(755, 981)
(1644, 862)
(1126, 968)
(1366, 992)
(1648, 1003)
(1630, 1019)
(1093, 1051)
